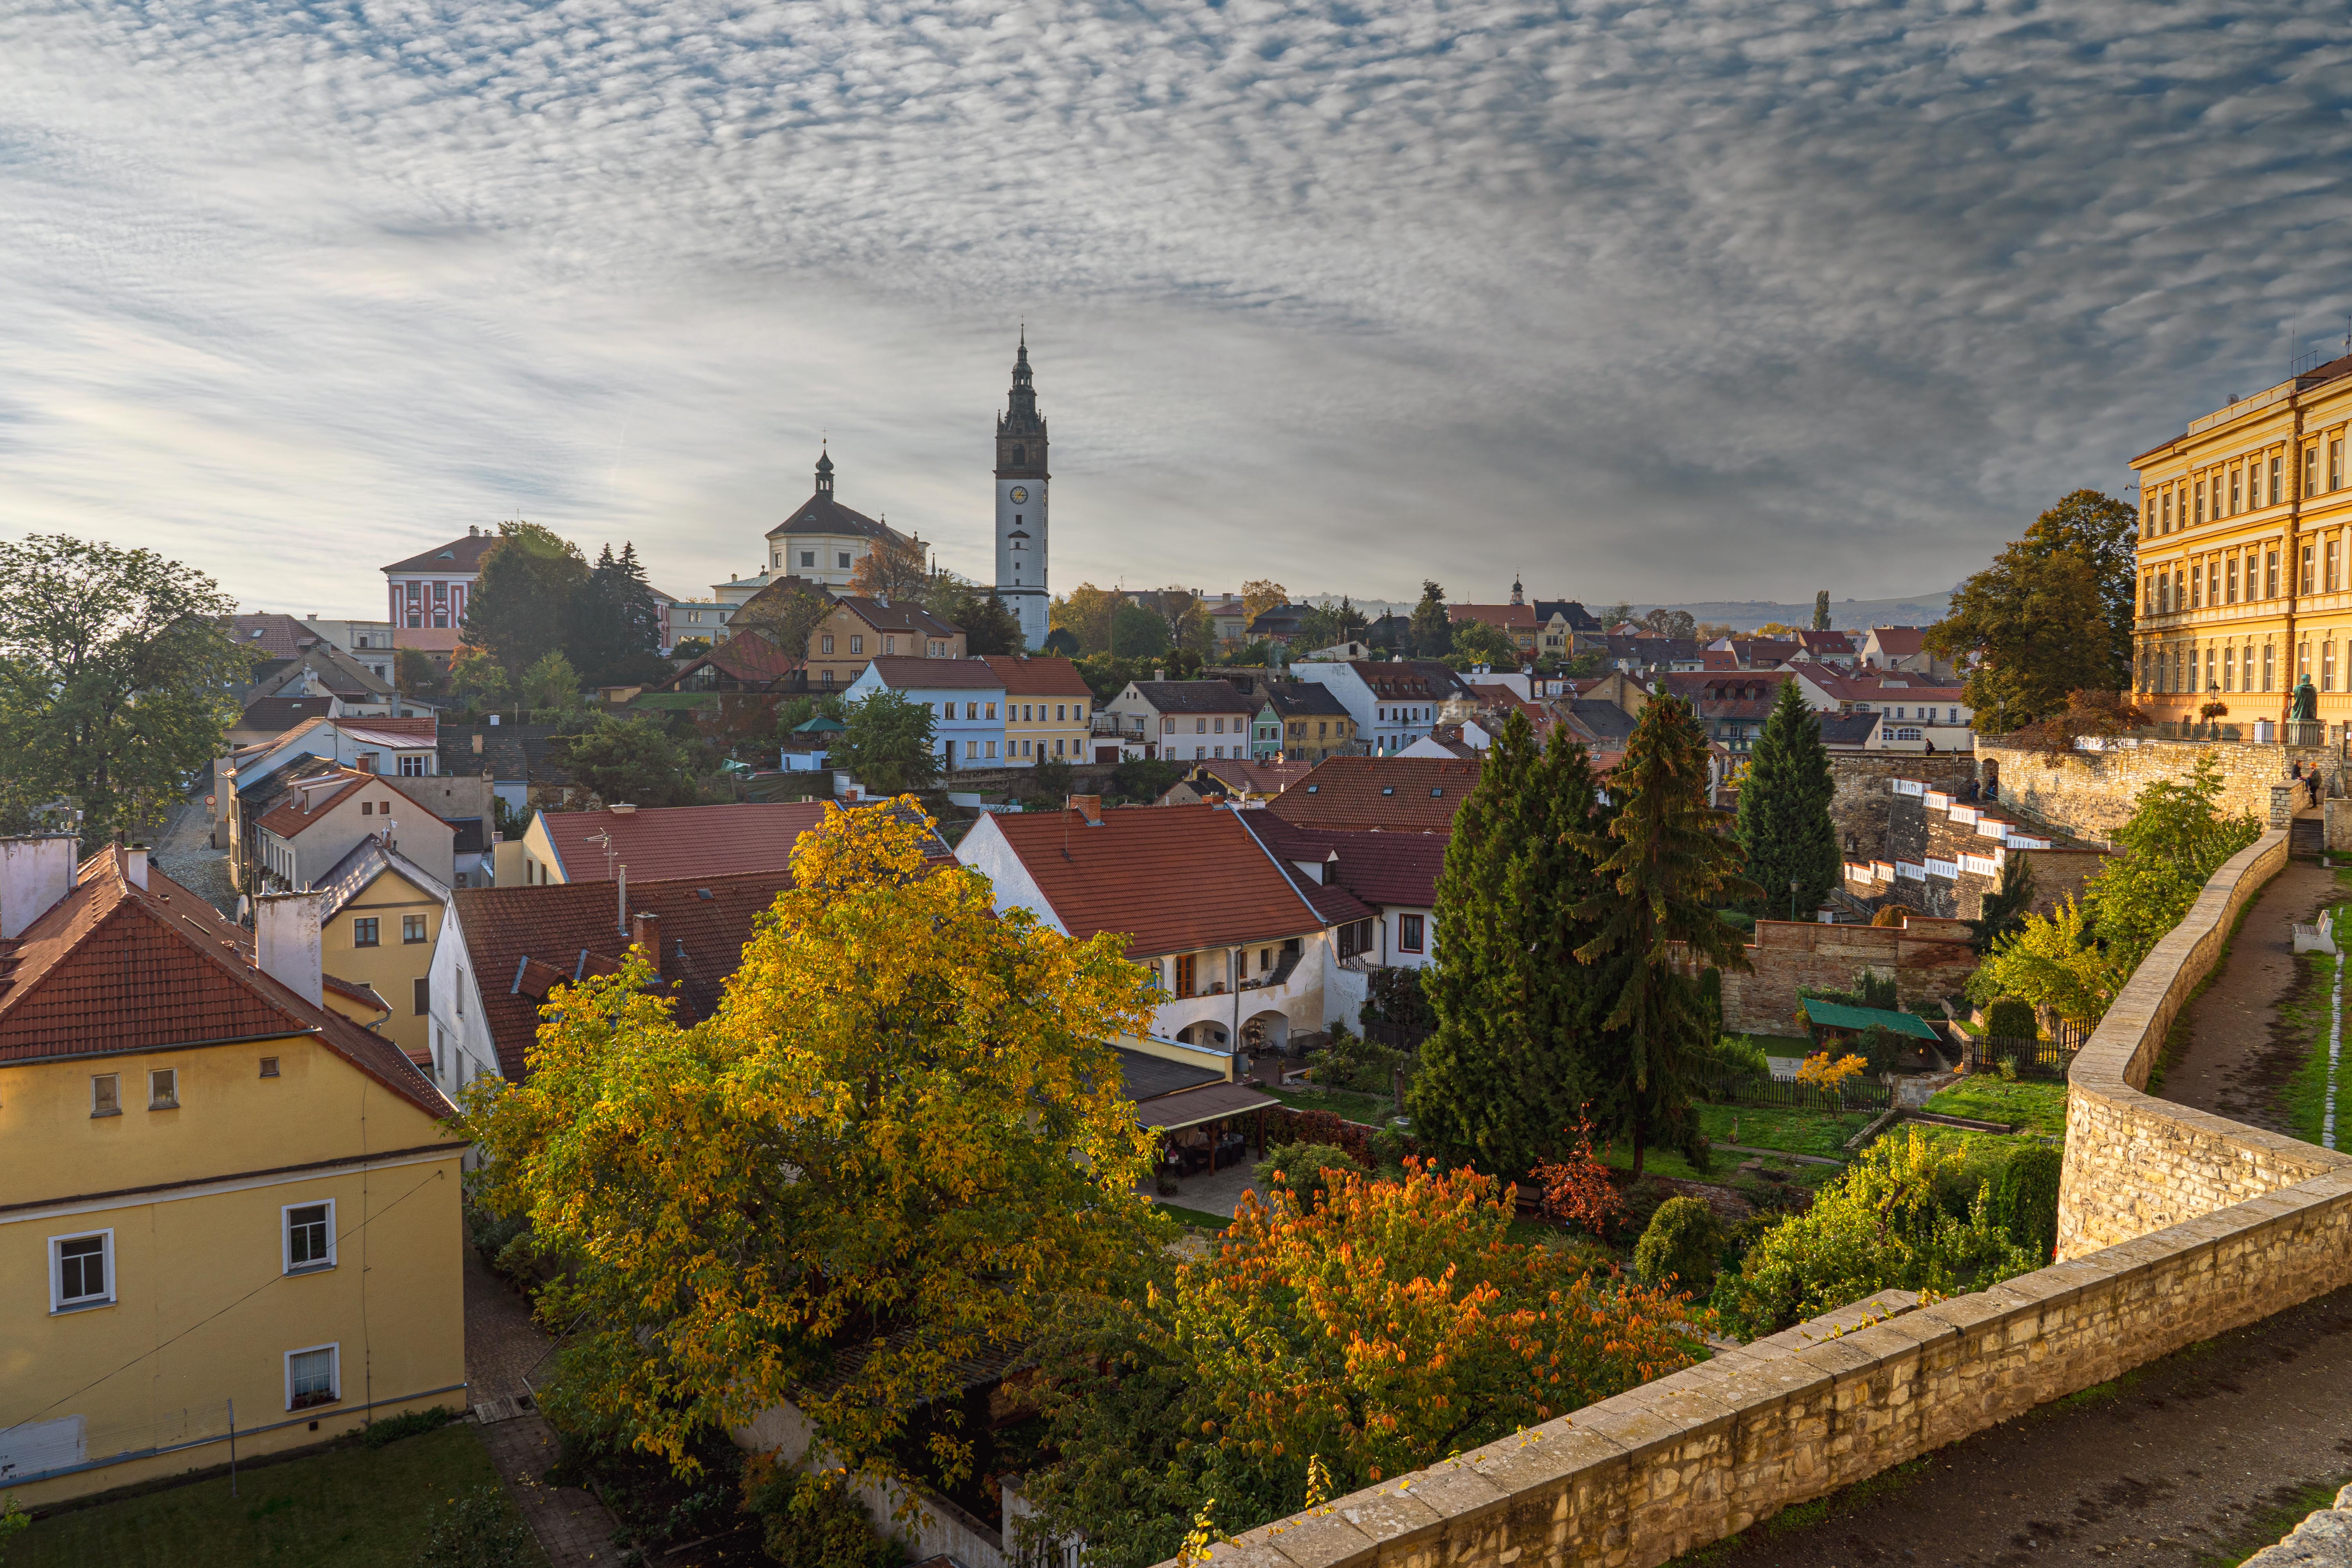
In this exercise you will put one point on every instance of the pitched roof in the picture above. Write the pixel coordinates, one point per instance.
(114, 967)
(305, 808)
(370, 858)
(1598, 718)
(1032, 675)
(455, 558)
(1384, 868)
(1572, 610)
(905, 672)
(900, 616)
(425, 728)
(1410, 680)
(1870, 686)
(1847, 729)
(1303, 700)
(523, 942)
(1705, 689)
(665, 842)
(822, 514)
(275, 715)
(1830, 644)
(1397, 794)
(277, 637)
(510, 752)
(747, 656)
(1172, 877)
(1899, 642)
(1193, 697)
(1520, 617)
(1258, 778)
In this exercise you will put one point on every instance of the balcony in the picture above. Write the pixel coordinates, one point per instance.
(1120, 726)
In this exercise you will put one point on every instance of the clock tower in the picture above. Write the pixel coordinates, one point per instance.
(1021, 481)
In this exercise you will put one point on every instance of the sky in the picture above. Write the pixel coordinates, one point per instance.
(1713, 301)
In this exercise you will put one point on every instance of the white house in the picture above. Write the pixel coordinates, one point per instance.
(1917, 713)
(1392, 704)
(1179, 720)
(966, 699)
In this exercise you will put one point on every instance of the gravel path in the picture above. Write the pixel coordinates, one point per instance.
(184, 852)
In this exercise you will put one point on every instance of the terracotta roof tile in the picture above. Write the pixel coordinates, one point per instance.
(660, 842)
(903, 672)
(1384, 868)
(462, 555)
(1398, 794)
(1032, 676)
(1193, 697)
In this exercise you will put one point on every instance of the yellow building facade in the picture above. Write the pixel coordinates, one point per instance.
(382, 918)
(221, 1205)
(2245, 528)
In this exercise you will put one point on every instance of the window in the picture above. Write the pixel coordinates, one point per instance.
(2266, 666)
(2309, 577)
(992, 748)
(81, 1270)
(2234, 480)
(1200, 753)
(890, 644)
(858, 644)
(808, 558)
(2311, 471)
(2278, 465)
(422, 995)
(2232, 581)
(825, 643)
(367, 808)
(2270, 575)
(2335, 465)
(460, 993)
(1408, 933)
(1187, 971)
(412, 928)
(841, 560)
(2327, 665)
(2168, 511)
(106, 1095)
(309, 1237)
(163, 1090)
(310, 1378)
(1220, 727)
(992, 710)
(825, 678)
(2228, 668)
(269, 1067)
(2246, 682)
(363, 931)
(1354, 938)
(411, 767)
(971, 710)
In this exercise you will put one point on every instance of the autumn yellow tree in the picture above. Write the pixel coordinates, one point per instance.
(894, 569)
(899, 1138)
(1087, 614)
(1261, 595)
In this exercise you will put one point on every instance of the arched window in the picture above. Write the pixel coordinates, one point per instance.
(1020, 454)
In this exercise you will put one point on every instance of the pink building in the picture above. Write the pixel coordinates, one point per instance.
(430, 589)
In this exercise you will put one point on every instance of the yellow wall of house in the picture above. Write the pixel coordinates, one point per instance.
(1041, 733)
(394, 964)
(204, 1311)
(540, 864)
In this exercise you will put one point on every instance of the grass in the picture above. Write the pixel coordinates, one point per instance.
(1772, 1127)
(1804, 1515)
(2270, 1525)
(346, 1506)
(2304, 1098)
(1779, 1045)
(1200, 1219)
(2031, 1105)
(1371, 1110)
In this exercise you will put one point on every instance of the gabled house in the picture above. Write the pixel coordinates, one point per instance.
(1393, 874)
(1048, 708)
(320, 820)
(1301, 722)
(859, 630)
(1239, 782)
(1392, 704)
(1247, 949)
(1395, 794)
(1176, 720)
(376, 929)
(966, 699)
(428, 591)
(1730, 705)
(1902, 648)
(1919, 713)
(519, 759)
(744, 662)
(217, 1193)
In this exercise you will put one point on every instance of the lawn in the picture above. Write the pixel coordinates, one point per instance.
(2033, 1105)
(2305, 1096)
(1772, 1127)
(1780, 1045)
(347, 1507)
(1369, 1109)
(1200, 1219)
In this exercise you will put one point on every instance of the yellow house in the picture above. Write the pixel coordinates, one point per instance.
(227, 1213)
(2245, 529)
(382, 916)
(1048, 708)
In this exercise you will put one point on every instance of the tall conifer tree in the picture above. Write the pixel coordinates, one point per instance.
(1666, 865)
(1784, 812)
(1504, 1073)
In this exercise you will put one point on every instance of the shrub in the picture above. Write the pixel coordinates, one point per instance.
(478, 1530)
(1351, 1061)
(1300, 1167)
(1881, 1049)
(1737, 1057)
(409, 1423)
(2025, 1199)
(1682, 1246)
(2010, 1019)
(814, 1520)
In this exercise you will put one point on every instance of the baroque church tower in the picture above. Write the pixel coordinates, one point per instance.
(1021, 481)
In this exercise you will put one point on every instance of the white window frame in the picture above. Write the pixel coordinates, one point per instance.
(335, 1370)
(285, 1264)
(57, 1303)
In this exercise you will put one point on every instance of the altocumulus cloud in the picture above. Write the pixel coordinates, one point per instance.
(1720, 300)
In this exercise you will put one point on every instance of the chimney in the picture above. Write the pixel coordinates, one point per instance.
(36, 872)
(621, 911)
(134, 865)
(494, 718)
(1159, 675)
(623, 809)
(644, 935)
(1088, 806)
(477, 740)
(286, 942)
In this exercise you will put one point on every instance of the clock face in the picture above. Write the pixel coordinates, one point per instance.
(1019, 492)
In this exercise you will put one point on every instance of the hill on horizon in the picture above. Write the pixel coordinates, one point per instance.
(1741, 616)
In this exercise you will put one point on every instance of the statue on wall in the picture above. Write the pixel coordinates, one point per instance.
(2305, 707)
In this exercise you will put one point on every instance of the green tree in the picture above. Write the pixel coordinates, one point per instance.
(899, 1146)
(1327, 625)
(2052, 961)
(889, 745)
(1508, 1064)
(1822, 611)
(1681, 1246)
(1432, 625)
(785, 613)
(1784, 811)
(1063, 641)
(2002, 911)
(630, 759)
(613, 624)
(1088, 614)
(520, 608)
(691, 648)
(1136, 632)
(988, 627)
(1478, 643)
(475, 675)
(2176, 838)
(1669, 622)
(1666, 868)
(117, 680)
(415, 674)
(550, 683)
(2052, 615)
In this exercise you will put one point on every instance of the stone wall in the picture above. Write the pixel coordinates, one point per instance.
(1928, 957)
(2175, 1225)
(1858, 803)
(2090, 794)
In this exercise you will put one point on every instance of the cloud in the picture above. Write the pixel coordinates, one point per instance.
(1722, 300)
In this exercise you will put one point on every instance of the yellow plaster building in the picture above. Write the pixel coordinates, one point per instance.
(2245, 527)
(382, 916)
(1048, 708)
(220, 1203)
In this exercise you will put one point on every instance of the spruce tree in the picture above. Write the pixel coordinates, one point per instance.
(1784, 812)
(1822, 611)
(1502, 1074)
(1666, 866)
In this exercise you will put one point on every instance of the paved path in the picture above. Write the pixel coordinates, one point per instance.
(184, 852)
(2192, 1460)
(502, 1343)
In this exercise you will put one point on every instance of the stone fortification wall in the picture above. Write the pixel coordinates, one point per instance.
(2152, 1261)
(1928, 957)
(1858, 802)
(2090, 794)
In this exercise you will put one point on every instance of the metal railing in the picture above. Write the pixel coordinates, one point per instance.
(2031, 1059)
(1857, 1094)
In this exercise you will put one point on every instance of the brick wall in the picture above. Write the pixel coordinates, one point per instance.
(2090, 794)
(1928, 957)
(1858, 804)
(2174, 1225)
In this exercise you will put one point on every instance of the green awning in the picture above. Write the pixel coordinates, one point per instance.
(1831, 1016)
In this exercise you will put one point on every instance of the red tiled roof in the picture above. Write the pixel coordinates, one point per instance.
(745, 657)
(465, 555)
(1031, 676)
(1262, 778)
(1721, 686)
(282, 636)
(903, 672)
(1518, 617)
(428, 639)
(1899, 642)
(426, 728)
(661, 842)
(1172, 877)
(902, 616)
(523, 942)
(287, 818)
(358, 991)
(1384, 868)
(114, 967)
(1398, 794)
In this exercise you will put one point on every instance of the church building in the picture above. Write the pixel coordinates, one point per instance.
(1021, 481)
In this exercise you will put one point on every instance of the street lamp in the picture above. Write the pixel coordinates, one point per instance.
(1792, 897)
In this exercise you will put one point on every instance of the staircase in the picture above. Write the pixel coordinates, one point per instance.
(2306, 835)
